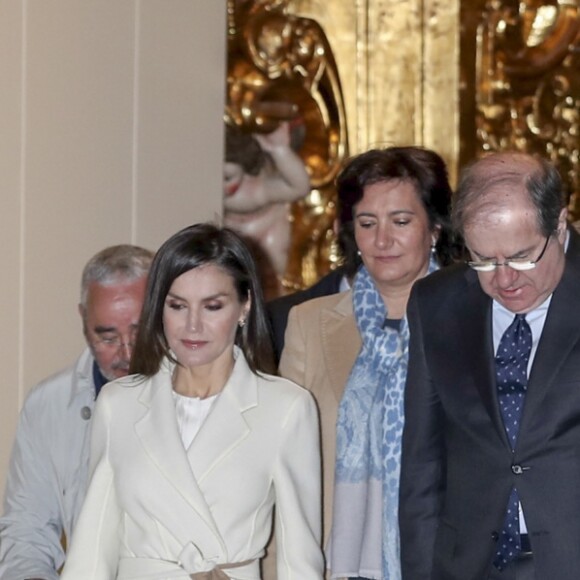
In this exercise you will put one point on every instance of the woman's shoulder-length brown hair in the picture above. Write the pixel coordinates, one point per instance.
(192, 247)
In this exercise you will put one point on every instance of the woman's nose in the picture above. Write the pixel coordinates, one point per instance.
(384, 237)
(194, 321)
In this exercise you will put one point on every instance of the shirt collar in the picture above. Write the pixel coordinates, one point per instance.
(99, 380)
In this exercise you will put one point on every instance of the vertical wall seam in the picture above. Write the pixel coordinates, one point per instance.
(22, 195)
(135, 136)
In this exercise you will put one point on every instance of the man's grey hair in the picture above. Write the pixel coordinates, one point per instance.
(116, 264)
(510, 170)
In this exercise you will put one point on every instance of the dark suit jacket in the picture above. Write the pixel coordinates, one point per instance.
(279, 308)
(457, 466)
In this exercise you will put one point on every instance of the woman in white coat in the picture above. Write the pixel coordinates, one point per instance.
(190, 453)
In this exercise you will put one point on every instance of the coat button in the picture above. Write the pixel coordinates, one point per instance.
(517, 469)
(86, 413)
(494, 536)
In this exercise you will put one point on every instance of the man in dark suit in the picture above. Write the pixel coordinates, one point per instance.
(491, 446)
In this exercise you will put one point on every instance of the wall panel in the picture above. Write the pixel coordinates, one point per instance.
(111, 131)
(78, 112)
(178, 96)
(12, 16)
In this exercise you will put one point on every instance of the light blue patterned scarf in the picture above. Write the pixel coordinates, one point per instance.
(365, 530)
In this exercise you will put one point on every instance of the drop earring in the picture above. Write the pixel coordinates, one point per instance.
(433, 246)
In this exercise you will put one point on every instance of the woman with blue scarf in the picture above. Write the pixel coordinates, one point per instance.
(350, 349)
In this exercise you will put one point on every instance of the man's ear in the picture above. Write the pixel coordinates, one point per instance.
(562, 225)
(82, 313)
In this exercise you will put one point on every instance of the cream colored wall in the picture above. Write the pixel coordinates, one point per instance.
(110, 132)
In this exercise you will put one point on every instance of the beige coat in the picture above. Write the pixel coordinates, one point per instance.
(321, 346)
(154, 510)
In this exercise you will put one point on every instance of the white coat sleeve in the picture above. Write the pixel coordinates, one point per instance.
(94, 551)
(297, 485)
(31, 526)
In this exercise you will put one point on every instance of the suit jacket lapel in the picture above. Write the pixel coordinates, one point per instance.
(341, 342)
(477, 344)
(225, 427)
(158, 433)
(560, 333)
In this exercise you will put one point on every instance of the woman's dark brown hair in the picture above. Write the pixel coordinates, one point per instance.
(422, 167)
(190, 248)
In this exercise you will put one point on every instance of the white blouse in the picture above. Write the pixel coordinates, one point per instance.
(191, 412)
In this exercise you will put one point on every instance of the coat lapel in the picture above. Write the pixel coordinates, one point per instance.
(560, 334)
(225, 427)
(477, 344)
(159, 436)
(341, 342)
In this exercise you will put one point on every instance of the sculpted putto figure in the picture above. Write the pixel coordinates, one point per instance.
(262, 176)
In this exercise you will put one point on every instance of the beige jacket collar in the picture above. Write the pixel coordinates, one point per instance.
(341, 341)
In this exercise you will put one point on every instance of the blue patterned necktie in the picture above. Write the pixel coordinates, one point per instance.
(511, 367)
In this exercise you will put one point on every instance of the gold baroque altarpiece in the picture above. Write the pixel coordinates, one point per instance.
(463, 77)
(523, 61)
(281, 67)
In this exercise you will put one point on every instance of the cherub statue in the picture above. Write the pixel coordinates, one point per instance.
(262, 176)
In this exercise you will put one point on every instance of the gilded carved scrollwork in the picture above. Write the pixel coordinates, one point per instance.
(281, 68)
(528, 83)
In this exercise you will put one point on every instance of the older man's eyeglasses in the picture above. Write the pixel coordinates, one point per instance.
(114, 341)
(520, 265)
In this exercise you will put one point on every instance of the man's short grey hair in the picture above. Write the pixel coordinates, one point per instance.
(510, 170)
(114, 265)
